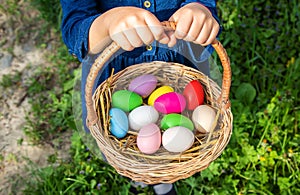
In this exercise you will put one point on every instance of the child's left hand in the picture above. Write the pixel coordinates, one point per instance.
(194, 23)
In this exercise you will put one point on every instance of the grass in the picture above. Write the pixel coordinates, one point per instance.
(263, 155)
(50, 96)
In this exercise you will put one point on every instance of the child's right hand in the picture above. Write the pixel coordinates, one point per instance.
(194, 23)
(130, 27)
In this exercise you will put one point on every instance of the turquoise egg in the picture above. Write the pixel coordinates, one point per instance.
(118, 122)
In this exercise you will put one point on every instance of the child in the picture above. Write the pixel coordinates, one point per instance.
(136, 24)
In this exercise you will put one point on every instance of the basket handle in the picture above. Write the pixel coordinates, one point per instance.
(114, 47)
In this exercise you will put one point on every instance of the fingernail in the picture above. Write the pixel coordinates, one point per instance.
(164, 40)
(179, 35)
(170, 44)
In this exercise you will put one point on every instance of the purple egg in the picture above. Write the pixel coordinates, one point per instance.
(143, 85)
(170, 103)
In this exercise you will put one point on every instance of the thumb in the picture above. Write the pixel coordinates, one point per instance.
(156, 28)
(172, 38)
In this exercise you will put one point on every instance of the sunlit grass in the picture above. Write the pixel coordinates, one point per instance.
(261, 39)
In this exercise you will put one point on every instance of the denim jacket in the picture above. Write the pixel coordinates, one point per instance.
(78, 16)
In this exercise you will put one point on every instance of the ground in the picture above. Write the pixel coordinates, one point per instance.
(20, 54)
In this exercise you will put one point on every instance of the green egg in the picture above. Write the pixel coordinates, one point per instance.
(172, 120)
(126, 100)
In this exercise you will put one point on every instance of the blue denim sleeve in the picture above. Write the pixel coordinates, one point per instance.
(77, 18)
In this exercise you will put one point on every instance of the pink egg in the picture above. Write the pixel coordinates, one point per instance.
(149, 139)
(143, 85)
(170, 103)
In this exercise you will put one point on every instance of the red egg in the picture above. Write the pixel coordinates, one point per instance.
(170, 103)
(194, 94)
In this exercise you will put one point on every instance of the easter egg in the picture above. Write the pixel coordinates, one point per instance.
(203, 118)
(126, 100)
(171, 102)
(158, 92)
(194, 94)
(118, 122)
(143, 85)
(142, 116)
(172, 120)
(177, 139)
(149, 139)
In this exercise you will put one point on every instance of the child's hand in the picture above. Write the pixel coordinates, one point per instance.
(130, 27)
(195, 23)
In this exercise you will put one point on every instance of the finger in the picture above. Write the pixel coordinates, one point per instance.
(145, 34)
(213, 35)
(159, 34)
(122, 41)
(156, 28)
(133, 37)
(164, 39)
(183, 26)
(204, 34)
(194, 31)
(173, 40)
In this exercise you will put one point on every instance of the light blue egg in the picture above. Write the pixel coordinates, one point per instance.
(118, 122)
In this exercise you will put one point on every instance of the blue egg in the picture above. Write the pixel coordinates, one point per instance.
(118, 122)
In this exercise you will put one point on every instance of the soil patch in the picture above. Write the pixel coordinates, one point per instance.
(20, 55)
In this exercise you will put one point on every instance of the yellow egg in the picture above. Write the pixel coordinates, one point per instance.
(158, 92)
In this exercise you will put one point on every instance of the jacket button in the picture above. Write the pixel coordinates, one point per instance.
(149, 47)
(147, 4)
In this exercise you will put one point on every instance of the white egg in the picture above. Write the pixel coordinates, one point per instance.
(177, 139)
(142, 116)
(203, 118)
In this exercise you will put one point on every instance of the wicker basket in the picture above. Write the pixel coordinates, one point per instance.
(163, 166)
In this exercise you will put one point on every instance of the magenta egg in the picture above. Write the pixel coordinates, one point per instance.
(149, 139)
(170, 103)
(143, 85)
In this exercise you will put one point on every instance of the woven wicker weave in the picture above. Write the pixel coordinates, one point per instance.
(163, 166)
